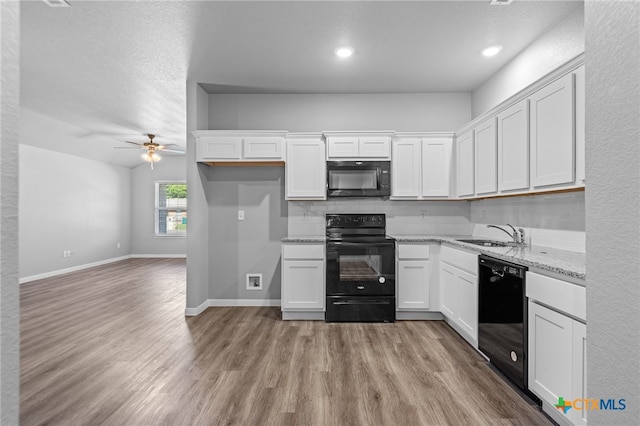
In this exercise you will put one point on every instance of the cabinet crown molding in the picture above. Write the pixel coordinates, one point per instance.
(239, 133)
(401, 135)
(355, 133)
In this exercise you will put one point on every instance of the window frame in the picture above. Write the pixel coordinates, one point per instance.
(157, 209)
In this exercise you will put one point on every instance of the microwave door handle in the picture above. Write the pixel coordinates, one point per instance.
(379, 187)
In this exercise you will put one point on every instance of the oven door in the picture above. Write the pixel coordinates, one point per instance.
(361, 268)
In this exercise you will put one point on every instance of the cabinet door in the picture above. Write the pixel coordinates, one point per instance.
(413, 284)
(436, 167)
(220, 148)
(552, 133)
(513, 147)
(405, 168)
(486, 158)
(464, 165)
(468, 304)
(448, 291)
(580, 124)
(550, 354)
(579, 370)
(374, 146)
(303, 285)
(306, 169)
(262, 147)
(342, 147)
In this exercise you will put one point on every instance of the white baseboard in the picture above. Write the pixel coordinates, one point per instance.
(71, 269)
(158, 256)
(192, 312)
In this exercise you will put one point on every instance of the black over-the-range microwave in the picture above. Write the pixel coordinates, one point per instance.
(358, 179)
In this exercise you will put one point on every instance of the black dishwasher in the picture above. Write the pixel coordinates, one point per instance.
(502, 317)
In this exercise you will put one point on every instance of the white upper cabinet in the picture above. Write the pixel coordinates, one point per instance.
(342, 147)
(486, 157)
(374, 146)
(305, 168)
(552, 134)
(406, 167)
(239, 145)
(263, 147)
(465, 164)
(421, 165)
(358, 145)
(580, 124)
(436, 167)
(513, 147)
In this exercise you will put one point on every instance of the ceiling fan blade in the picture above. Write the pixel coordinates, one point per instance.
(174, 151)
(128, 147)
(135, 143)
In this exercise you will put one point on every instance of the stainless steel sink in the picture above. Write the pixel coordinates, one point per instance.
(488, 243)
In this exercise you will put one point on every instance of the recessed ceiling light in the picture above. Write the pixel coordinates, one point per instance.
(491, 50)
(344, 52)
(57, 3)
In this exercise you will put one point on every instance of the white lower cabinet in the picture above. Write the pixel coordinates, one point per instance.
(413, 277)
(303, 287)
(557, 345)
(459, 291)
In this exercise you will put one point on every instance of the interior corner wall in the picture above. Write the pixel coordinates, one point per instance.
(558, 45)
(430, 112)
(70, 203)
(143, 239)
(197, 224)
(612, 207)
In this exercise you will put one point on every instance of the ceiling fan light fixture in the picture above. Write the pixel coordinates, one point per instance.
(152, 157)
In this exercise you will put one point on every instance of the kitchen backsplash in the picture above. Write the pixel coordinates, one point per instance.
(553, 220)
(403, 217)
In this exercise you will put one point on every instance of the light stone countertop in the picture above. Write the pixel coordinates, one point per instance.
(563, 262)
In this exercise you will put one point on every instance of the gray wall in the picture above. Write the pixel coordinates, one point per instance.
(9, 291)
(433, 112)
(555, 47)
(143, 240)
(250, 246)
(71, 203)
(198, 223)
(613, 207)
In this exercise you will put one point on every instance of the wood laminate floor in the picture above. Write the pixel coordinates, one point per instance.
(111, 345)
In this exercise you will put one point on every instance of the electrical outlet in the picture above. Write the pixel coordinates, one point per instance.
(423, 214)
(240, 214)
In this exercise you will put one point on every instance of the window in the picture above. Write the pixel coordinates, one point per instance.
(171, 208)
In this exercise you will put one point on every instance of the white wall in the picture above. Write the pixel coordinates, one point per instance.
(555, 47)
(143, 240)
(613, 207)
(433, 112)
(70, 203)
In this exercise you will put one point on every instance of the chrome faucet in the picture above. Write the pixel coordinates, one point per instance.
(516, 237)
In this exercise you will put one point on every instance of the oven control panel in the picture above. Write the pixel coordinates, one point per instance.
(355, 220)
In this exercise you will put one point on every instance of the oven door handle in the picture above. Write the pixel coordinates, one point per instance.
(362, 302)
(368, 244)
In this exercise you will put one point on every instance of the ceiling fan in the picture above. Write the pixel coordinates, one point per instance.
(152, 149)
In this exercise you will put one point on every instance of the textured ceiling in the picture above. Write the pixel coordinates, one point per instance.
(117, 69)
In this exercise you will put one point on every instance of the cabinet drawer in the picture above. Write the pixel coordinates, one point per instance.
(413, 251)
(561, 295)
(303, 251)
(460, 259)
